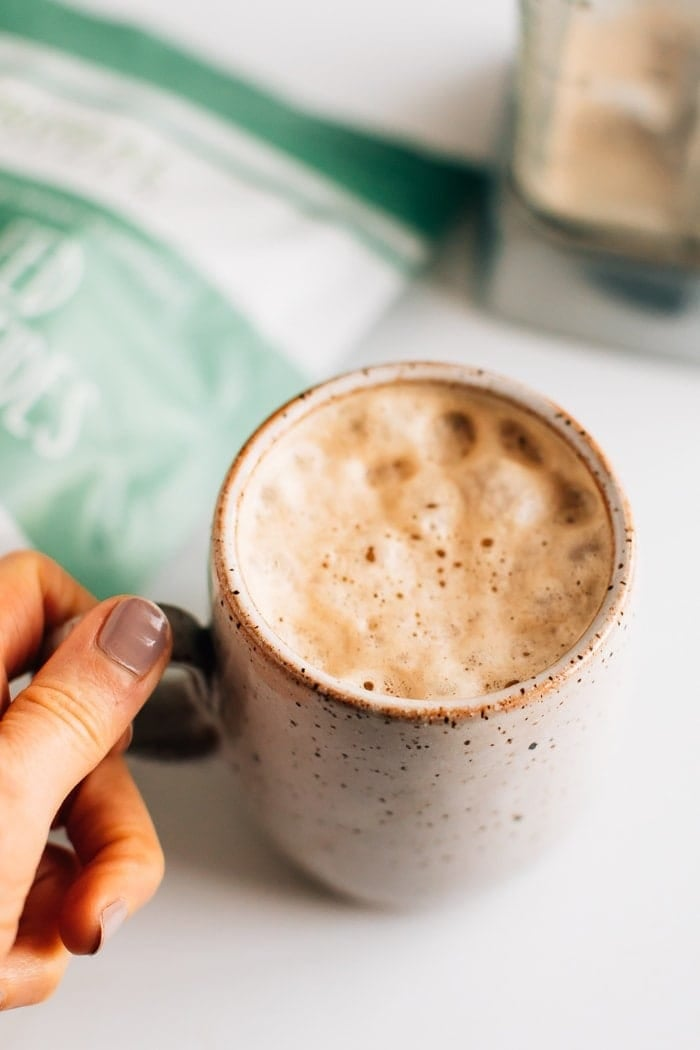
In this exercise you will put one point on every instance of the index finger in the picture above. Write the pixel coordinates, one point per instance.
(36, 595)
(62, 725)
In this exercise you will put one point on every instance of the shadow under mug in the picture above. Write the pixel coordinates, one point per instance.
(386, 799)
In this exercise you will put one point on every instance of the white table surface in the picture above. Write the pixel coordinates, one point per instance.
(596, 946)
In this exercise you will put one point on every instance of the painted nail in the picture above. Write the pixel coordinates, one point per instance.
(110, 920)
(135, 635)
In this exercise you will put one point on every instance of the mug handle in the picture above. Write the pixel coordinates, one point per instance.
(179, 720)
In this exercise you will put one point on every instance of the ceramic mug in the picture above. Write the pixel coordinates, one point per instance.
(386, 799)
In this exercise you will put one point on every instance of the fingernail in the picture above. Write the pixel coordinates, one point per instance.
(135, 635)
(110, 920)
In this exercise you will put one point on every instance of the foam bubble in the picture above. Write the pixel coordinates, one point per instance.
(576, 503)
(391, 471)
(452, 436)
(517, 441)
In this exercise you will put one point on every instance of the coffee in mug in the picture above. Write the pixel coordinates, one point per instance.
(424, 539)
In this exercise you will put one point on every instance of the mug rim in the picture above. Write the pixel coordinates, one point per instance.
(234, 593)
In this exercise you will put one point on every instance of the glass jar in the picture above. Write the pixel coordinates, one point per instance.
(606, 136)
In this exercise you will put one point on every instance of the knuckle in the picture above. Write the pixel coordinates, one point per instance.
(157, 866)
(69, 710)
(143, 852)
(29, 976)
(30, 565)
(140, 854)
(40, 985)
(25, 558)
(52, 975)
(9, 923)
(16, 878)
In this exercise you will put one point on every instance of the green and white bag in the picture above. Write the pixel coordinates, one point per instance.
(179, 251)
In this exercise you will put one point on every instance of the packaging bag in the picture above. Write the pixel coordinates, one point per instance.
(180, 251)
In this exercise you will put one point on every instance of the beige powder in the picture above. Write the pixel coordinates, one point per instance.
(609, 121)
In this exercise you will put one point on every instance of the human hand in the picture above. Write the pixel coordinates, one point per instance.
(61, 764)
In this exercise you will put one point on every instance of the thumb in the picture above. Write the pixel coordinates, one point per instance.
(83, 698)
(62, 725)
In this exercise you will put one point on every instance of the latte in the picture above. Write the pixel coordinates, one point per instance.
(425, 539)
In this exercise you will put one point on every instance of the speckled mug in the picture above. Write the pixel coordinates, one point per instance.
(393, 800)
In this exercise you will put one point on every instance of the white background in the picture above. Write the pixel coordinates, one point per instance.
(599, 944)
(433, 72)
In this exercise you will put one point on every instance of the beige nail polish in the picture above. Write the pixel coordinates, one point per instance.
(110, 920)
(135, 635)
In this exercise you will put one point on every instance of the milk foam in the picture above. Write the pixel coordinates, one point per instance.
(425, 540)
